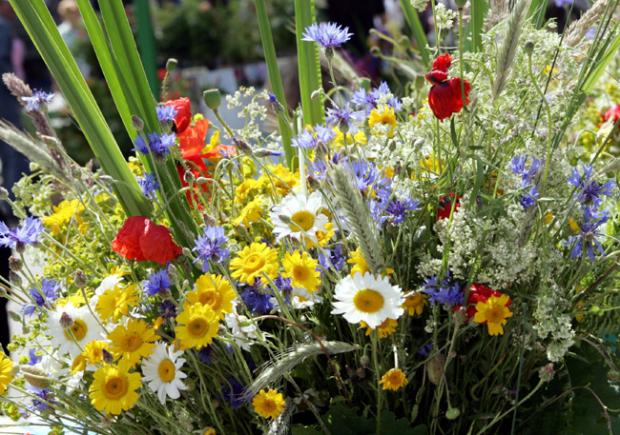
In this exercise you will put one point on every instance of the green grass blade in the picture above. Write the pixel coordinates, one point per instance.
(308, 64)
(413, 20)
(610, 53)
(537, 11)
(479, 10)
(275, 78)
(39, 24)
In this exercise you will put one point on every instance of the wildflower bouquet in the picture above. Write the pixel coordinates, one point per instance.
(382, 263)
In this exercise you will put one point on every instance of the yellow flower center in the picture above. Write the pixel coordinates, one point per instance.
(198, 327)
(302, 219)
(211, 298)
(495, 314)
(132, 343)
(166, 370)
(115, 387)
(253, 263)
(368, 301)
(76, 331)
(300, 273)
(269, 406)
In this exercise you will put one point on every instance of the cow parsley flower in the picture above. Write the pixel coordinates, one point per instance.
(328, 35)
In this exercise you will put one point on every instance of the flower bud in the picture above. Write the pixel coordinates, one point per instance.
(453, 413)
(243, 146)
(15, 278)
(15, 263)
(171, 64)
(66, 321)
(546, 372)
(137, 122)
(434, 368)
(4, 194)
(35, 377)
(79, 279)
(213, 98)
(364, 361)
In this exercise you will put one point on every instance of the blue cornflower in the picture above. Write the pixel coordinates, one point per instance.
(517, 165)
(397, 210)
(165, 113)
(256, 299)
(589, 190)
(26, 234)
(284, 286)
(365, 100)
(328, 35)
(447, 292)
(211, 247)
(167, 309)
(33, 358)
(38, 98)
(332, 258)
(158, 144)
(587, 240)
(205, 355)
(305, 140)
(338, 116)
(158, 282)
(425, 349)
(324, 135)
(317, 169)
(529, 199)
(45, 398)
(234, 393)
(149, 185)
(365, 173)
(42, 297)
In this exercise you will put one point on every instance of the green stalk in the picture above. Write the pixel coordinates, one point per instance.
(413, 20)
(537, 12)
(601, 65)
(479, 10)
(275, 79)
(39, 24)
(309, 65)
(146, 40)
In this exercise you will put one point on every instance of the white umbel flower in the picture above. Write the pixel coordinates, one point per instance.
(162, 372)
(367, 298)
(299, 216)
(72, 328)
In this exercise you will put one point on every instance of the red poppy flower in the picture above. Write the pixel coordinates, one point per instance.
(480, 293)
(183, 116)
(612, 113)
(192, 140)
(143, 240)
(445, 206)
(446, 96)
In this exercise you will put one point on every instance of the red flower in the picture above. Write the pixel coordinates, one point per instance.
(445, 205)
(480, 293)
(192, 140)
(446, 96)
(143, 240)
(184, 113)
(612, 113)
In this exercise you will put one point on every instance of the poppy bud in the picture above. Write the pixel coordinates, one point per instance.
(213, 98)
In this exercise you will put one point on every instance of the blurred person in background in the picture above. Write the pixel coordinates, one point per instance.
(73, 33)
(12, 163)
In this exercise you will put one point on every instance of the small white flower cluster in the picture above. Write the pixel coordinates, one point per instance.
(444, 17)
(552, 324)
(251, 108)
(419, 5)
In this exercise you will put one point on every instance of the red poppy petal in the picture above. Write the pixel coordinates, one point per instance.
(442, 62)
(127, 240)
(157, 244)
(183, 116)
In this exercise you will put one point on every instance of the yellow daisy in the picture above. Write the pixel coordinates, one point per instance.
(133, 341)
(385, 329)
(358, 262)
(253, 262)
(6, 372)
(383, 116)
(115, 303)
(215, 291)
(393, 380)
(114, 389)
(64, 212)
(414, 304)
(269, 403)
(196, 326)
(301, 268)
(92, 354)
(494, 313)
(278, 179)
(251, 213)
(247, 188)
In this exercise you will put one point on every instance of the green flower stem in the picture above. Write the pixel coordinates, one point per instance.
(375, 363)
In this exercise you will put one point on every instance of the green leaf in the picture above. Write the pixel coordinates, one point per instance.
(275, 79)
(602, 64)
(41, 27)
(308, 65)
(413, 20)
(537, 12)
(479, 10)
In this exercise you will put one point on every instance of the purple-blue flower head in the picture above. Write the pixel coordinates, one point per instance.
(25, 234)
(324, 135)
(589, 191)
(586, 242)
(328, 35)
(165, 113)
(211, 247)
(257, 299)
(167, 309)
(234, 393)
(305, 140)
(529, 199)
(157, 283)
(37, 99)
(397, 210)
(365, 173)
(332, 258)
(338, 116)
(46, 294)
(149, 185)
(159, 145)
(447, 292)
(518, 167)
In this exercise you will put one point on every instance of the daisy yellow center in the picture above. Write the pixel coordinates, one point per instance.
(132, 342)
(166, 370)
(300, 273)
(78, 330)
(253, 263)
(368, 300)
(302, 219)
(115, 387)
(198, 327)
(495, 314)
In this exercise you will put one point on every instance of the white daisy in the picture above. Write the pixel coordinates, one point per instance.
(72, 328)
(162, 371)
(367, 298)
(242, 329)
(299, 216)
